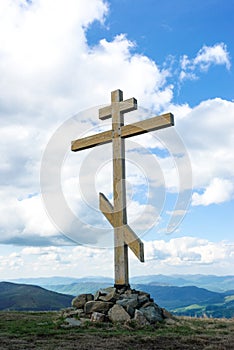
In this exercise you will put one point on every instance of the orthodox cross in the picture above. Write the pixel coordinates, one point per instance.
(116, 214)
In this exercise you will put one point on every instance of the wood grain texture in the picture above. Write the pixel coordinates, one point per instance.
(126, 106)
(91, 141)
(151, 124)
(155, 123)
(130, 238)
(119, 191)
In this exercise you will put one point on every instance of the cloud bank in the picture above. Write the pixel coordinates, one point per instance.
(178, 255)
(49, 73)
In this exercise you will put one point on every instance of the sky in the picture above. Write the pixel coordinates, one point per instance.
(59, 62)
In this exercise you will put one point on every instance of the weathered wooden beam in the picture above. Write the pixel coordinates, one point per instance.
(155, 123)
(106, 208)
(105, 112)
(134, 242)
(130, 238)
(151, 124)
(128, 105)
(91, 141)
(124, 107)
(119, 191)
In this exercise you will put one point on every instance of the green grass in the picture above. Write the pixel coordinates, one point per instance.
(44, 330)
(42, 323)
(25, 323)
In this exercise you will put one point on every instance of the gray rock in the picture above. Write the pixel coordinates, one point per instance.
(108, 290)
(140, 318)
(110, 295)
(97, 306)
(148, 303)
(73, 313)
(79, 301)
(152, 313)
(130, 310)
(131, 302)
(118, 314)
(129, 295)
(104, 292)
(133, 296)
(144, 293)
(72, 322)
(97, 295)
(65, 312)
(98, 317)
(142, 299)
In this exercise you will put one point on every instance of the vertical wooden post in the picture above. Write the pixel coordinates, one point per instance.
(119, 192)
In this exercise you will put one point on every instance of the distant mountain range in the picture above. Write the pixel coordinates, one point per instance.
(210, 282)
(191, 300)
(182, 295)
(56, 280)
(24, 297)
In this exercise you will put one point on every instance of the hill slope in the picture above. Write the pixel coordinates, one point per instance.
(192, 301)
(173, 297)
(23, 297)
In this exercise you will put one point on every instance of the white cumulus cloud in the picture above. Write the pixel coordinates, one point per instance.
(218, 191)
(206, 57)
(207, 132)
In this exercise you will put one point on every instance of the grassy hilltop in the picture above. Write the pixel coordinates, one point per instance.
(42, 330)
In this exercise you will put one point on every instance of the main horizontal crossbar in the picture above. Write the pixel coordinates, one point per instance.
(151, 124)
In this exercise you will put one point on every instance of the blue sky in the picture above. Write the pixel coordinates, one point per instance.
(173, 28)
(59, 61)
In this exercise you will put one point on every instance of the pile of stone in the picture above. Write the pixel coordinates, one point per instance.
(115, 305)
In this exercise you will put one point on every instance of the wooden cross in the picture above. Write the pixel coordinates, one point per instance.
(116, 214)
